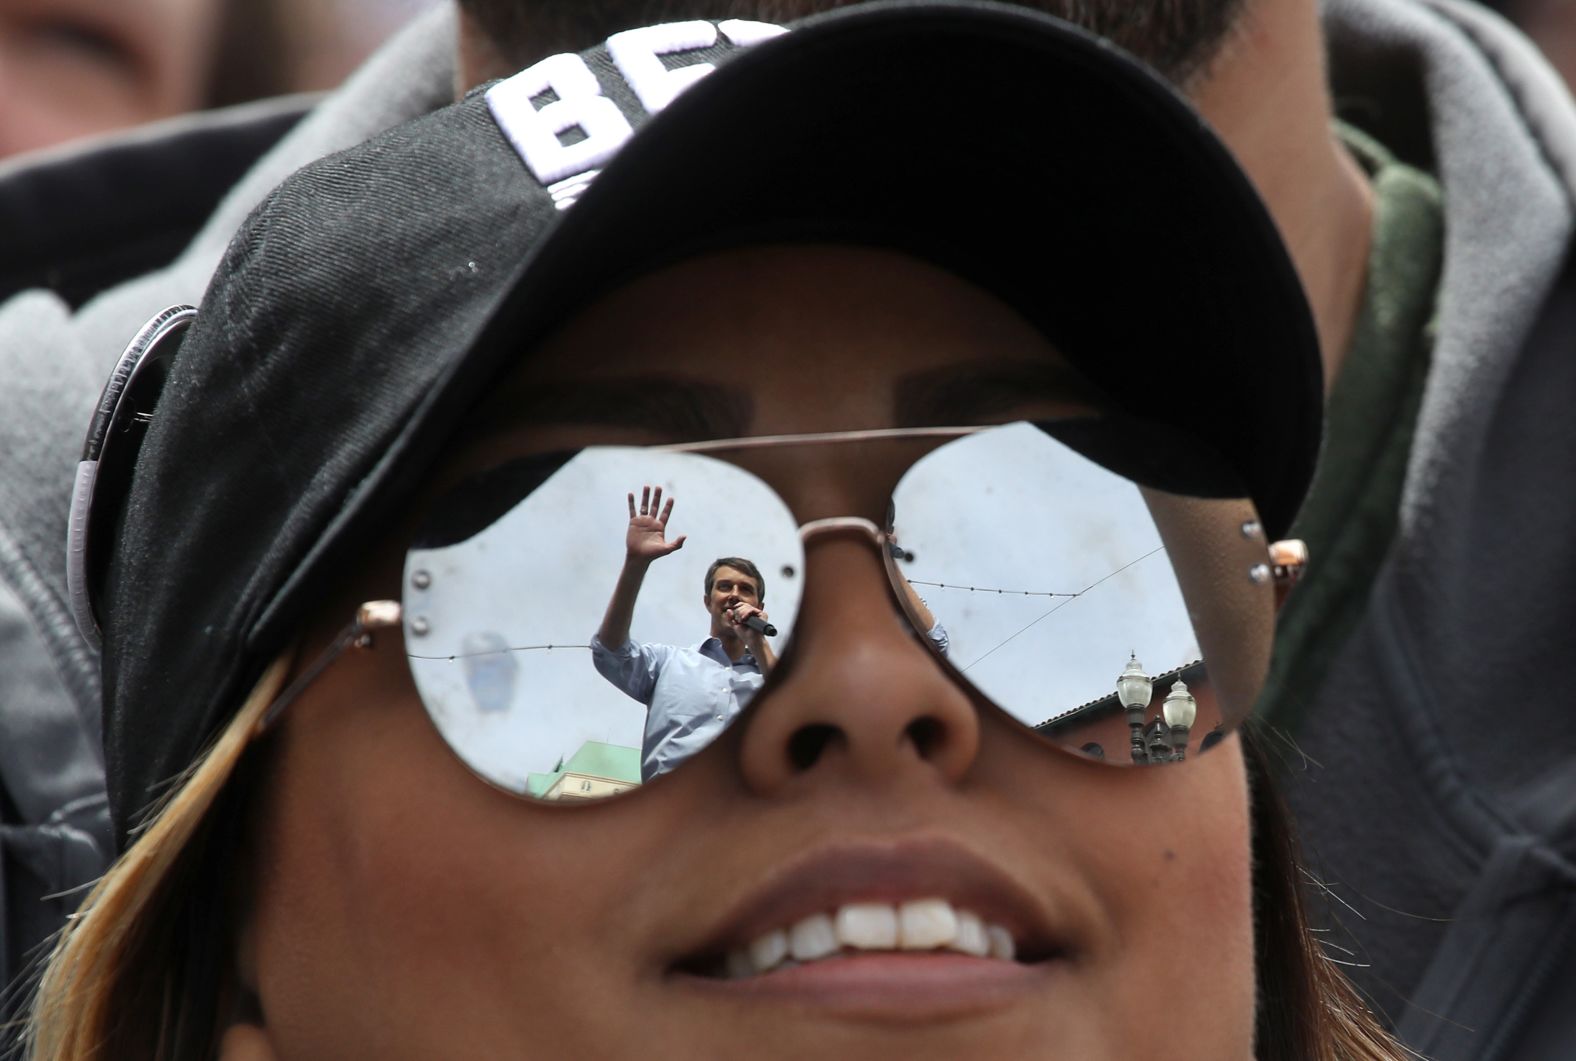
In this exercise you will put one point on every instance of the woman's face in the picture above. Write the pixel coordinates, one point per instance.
(401, 908)
(70, 68)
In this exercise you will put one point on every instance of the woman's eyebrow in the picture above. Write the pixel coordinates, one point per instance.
(680, 409)
(973, 393)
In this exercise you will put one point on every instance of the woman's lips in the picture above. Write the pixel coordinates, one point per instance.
(888, 986)
(916, 926)
(882, 918)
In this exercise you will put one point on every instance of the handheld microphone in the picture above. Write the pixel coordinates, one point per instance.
(761, 626)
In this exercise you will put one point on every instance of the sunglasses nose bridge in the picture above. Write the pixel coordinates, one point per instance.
(860, 693)
(855, 527)
(850, 525)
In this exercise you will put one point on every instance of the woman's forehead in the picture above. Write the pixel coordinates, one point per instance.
(771, 340)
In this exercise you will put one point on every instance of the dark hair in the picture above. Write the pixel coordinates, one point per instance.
(1307, 1009)
(1176, 37)
(738, 563)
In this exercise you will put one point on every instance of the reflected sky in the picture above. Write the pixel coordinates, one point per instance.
(1012, 509)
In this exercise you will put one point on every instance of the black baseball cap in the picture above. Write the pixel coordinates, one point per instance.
(371, 300)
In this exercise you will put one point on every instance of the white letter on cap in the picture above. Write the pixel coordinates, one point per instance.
(638, 54)
(742, 31)
(580, 103)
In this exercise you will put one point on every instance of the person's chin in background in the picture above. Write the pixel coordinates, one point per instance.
(72, 68)
(75, 68)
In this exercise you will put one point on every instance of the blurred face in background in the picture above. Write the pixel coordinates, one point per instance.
(70, 68)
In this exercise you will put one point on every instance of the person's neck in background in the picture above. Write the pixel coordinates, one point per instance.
(732, 644)
(1268, 97)
(1266, 94)
(478, 60)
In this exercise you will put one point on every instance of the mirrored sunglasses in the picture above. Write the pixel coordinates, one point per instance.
(1110, 592)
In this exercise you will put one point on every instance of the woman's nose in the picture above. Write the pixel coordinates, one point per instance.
(859, 693)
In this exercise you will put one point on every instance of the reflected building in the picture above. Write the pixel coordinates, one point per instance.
(1104, 728)
(595, 771)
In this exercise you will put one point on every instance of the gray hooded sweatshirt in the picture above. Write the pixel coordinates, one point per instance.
(1439, 795)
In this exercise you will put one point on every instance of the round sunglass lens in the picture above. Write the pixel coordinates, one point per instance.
(516, 572)
(1071, 597)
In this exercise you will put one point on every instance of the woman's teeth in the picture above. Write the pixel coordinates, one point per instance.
(920, 925)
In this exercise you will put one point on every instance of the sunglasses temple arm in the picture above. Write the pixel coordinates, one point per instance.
(373, 615)
(1288, 560)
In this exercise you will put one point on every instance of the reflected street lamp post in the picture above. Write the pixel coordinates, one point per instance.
(1159, 742)
(1179, 711)
(1165, 739)
(1133, 689)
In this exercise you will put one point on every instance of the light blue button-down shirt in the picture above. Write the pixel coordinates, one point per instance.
(691, 694)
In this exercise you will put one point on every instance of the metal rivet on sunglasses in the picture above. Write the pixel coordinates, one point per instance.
(419, 626)
(1252, 529)
(1259, 573)
(421, 580)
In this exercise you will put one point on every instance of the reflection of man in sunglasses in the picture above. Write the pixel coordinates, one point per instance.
(693, 693)
(690, 693)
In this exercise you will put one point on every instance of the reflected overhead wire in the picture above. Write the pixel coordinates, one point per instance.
(493, 652)
(1063, 603)
(988, 589)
